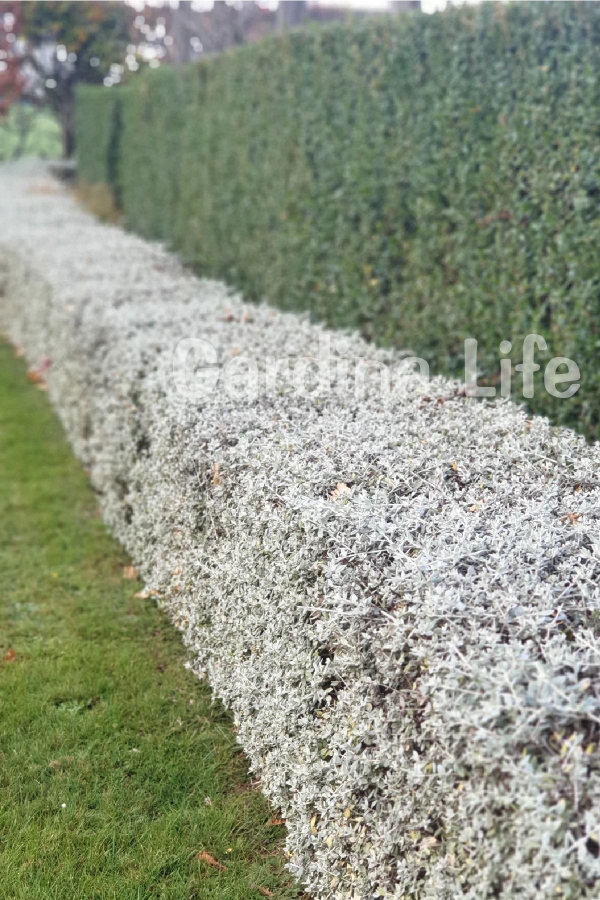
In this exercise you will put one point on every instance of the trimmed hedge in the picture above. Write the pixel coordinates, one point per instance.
(422, 178)
(98, 128)
(397, 600)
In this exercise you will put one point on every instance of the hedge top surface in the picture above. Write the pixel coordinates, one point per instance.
(398, 601)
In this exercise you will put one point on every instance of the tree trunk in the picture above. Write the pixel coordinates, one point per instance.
(181, 36)
(67, 110)
(290, 14)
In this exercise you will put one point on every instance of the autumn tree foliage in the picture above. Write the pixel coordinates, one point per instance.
(11, 76)
(69, 43)
(47, 47)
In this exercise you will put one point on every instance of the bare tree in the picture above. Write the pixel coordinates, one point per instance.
(291, 13)
(213, 31)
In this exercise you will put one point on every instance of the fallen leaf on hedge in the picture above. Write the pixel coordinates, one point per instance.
(339, 490)
(276, 821)
(215, 474)
(429, 842)
(570, 517)
(130, 572)
(145, 595)
(41, 189)
(211, 861)
(10, 655)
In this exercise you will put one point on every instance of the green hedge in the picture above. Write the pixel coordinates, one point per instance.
(98, 130)
(422, 178)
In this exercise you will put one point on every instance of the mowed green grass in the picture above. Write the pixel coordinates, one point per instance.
(116, 771)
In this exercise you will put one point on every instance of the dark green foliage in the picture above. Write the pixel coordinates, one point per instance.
(154, 114)
(422, 178)
(97, 121)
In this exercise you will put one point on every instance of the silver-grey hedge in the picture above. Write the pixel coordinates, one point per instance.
(399, 601)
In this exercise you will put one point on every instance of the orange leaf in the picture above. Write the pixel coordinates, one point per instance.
(211, 861)
(276, 821)
(570, 517)
(10, 655)
(340, 490)
(34, 376)
(265, 892)
(130, 572)
(215, 474)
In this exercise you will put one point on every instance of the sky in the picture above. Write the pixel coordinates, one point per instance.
(428, 6)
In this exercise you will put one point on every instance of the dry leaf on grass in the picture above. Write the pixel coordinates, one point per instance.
(10, 655)
(36, 376)
(211, 861)
(145, 595)
(265, 892)
(130, 572)
(276, 820)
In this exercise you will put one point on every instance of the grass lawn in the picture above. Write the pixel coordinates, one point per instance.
(116, 772)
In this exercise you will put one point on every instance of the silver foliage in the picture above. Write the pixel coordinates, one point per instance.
(413, 663)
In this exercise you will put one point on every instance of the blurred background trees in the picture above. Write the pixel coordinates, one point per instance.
(11, 79)
(47, 48)
(68, 43)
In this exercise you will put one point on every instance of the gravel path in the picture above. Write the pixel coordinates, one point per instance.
(398, 600)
